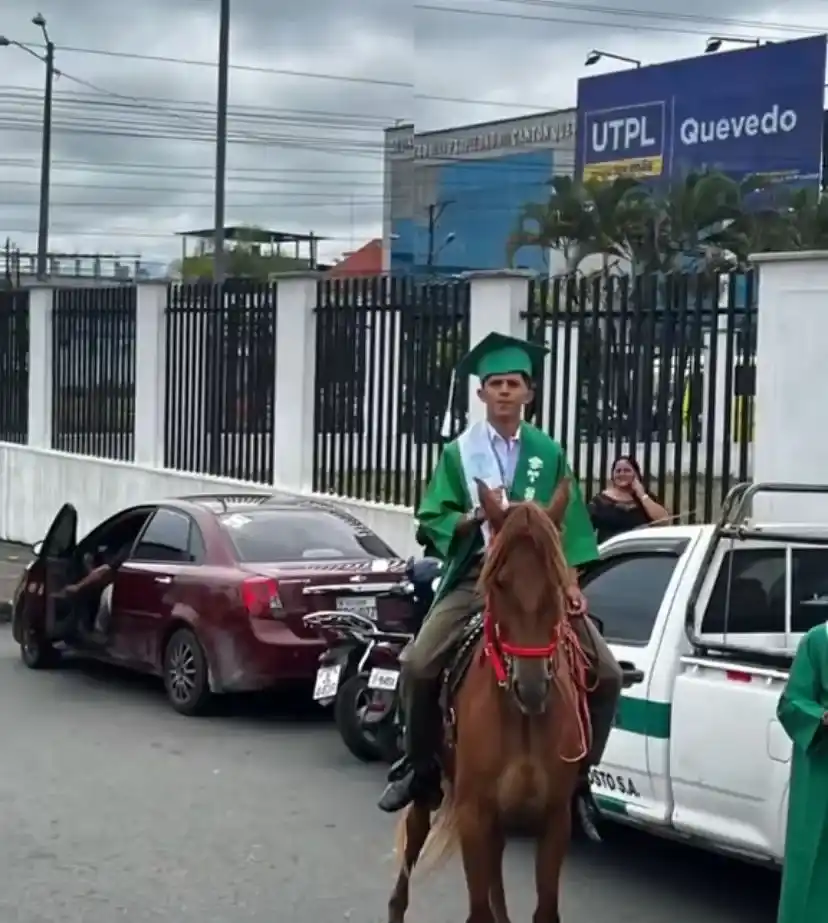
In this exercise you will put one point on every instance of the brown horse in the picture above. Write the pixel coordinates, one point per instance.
(520, 727)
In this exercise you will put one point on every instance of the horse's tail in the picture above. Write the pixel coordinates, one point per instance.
(443, 837)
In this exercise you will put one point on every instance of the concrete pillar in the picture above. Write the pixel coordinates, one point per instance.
(150, 374)
(295, 381)
(791, 432)
(40, 367)
(499, 301)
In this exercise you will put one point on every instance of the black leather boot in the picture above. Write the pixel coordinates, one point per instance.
(417, 774)
(585, 807)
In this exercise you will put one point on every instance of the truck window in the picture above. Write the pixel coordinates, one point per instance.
(752, 581)
(809, 588)
(626, 591)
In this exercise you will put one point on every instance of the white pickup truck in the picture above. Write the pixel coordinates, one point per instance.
(709, 617)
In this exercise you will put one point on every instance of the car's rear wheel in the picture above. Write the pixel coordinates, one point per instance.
(186, 675)
(36, 652)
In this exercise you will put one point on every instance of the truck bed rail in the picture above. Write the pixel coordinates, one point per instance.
(734, 525)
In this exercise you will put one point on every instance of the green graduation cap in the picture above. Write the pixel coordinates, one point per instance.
(496, 354)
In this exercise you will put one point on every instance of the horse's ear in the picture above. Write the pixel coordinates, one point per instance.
(559, 502)
(490, 502)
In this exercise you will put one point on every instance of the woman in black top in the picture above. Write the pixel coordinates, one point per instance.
(625, 504)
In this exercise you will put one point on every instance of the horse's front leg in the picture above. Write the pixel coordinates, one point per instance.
(416, 827)
(497, 892)
(477, 830)
(552, 846)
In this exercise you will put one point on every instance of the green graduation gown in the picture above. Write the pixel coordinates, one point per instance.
(540, 467)
(801, 707)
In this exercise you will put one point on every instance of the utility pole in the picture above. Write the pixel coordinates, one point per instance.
(45, 167)
(48, 59)
(221, 142)
(45, 153)
(434, 214)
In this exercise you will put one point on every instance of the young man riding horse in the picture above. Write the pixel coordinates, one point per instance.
(522, 463)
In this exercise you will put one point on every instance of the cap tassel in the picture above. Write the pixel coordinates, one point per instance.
(448, 416)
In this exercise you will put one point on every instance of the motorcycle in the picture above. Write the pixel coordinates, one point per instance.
(359, 673)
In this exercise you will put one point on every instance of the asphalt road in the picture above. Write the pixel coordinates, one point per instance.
(115, 808)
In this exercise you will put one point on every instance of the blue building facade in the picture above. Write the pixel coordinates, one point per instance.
(453, 198)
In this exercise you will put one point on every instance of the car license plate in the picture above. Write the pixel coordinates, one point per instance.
(366, 606)
(383, 679)
(327, 682)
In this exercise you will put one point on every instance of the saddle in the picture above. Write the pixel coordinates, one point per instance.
(459, 664)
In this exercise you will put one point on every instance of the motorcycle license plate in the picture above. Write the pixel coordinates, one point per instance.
(327, 682)
(383, 679)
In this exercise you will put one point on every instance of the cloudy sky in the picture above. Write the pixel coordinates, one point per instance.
(313, 84)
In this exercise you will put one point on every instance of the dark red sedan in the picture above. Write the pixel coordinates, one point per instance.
(207, 592)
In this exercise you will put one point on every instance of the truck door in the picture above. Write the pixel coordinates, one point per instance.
(730, 757)
(630, 591)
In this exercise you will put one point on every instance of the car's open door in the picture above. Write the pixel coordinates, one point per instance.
(55, 563)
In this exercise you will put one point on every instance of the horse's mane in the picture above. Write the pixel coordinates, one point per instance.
(527, 548)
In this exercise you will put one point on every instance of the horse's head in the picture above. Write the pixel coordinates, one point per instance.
(524, 580)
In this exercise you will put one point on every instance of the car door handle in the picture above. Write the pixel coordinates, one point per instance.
(632, 676)
(163, 579)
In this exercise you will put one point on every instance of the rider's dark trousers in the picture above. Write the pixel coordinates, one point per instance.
(429, 654)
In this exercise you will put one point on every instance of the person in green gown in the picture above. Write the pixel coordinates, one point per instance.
(803, 712)
(524, 464)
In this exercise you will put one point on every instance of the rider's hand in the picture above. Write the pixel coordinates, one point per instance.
(575, 600)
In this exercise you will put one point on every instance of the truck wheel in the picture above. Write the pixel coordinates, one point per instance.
(186, 676)
(350, 702)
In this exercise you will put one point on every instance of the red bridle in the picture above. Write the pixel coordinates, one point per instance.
(494, 648)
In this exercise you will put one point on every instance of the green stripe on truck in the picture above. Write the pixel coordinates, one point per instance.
(643, 716)
(610, 805)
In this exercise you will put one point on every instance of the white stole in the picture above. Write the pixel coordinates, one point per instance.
(478, 458)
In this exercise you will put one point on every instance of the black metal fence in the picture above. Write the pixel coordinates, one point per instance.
(659, 367)
(221, 379)
(385, 349)
(93, 379)
(14, 366)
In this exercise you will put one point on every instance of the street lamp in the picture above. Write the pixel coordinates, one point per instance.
(46, 146)
(715, 42)
(595, 56)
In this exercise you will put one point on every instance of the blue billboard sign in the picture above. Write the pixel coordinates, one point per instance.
(756, 111)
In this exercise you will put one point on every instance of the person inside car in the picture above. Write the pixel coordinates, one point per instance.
(97, 579)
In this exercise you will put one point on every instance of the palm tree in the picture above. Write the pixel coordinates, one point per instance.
(581, 220)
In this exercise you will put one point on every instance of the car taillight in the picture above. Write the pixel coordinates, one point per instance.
(260, 596)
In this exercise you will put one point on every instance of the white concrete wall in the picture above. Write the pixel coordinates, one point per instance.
(34, 483)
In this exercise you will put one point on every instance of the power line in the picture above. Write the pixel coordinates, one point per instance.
(528, 17)
(137, 233)
(197, 107)
(125, 168)
(202, 126)
(150, 131)
(248, 68)
(666, 16)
